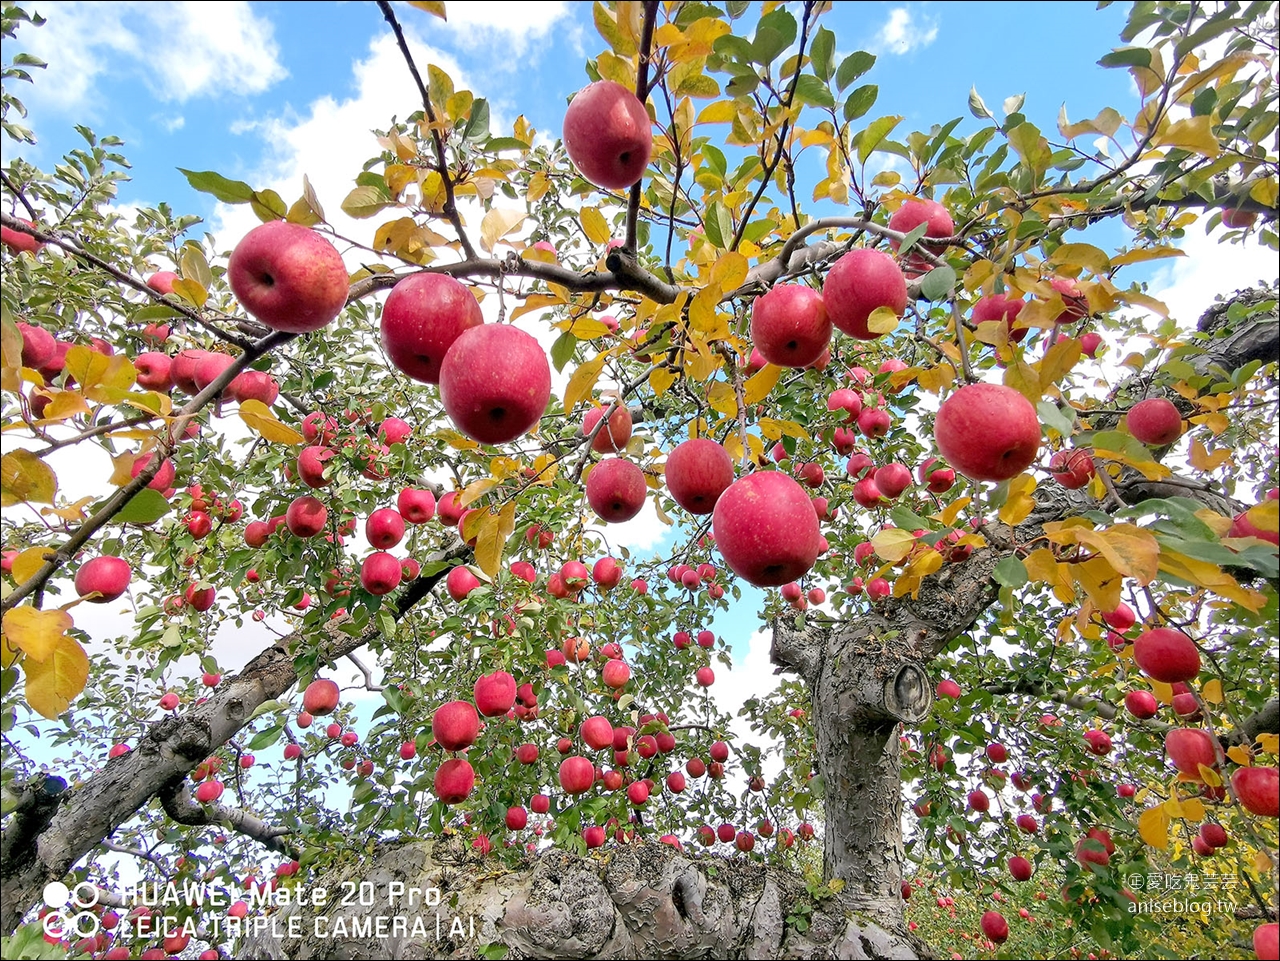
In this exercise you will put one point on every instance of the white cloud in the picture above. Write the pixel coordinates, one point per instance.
(510, 31)
(181, 50)
(1190, 284)
(902, 34)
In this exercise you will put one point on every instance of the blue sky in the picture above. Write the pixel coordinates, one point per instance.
(265, 92)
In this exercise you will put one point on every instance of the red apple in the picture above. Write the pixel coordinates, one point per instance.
(917, 211)
(254, 385)
(454, 780)
(613, 436)
(997, 753)
(495, 693)
(1258, 789)
(616, 490)
(608, 135)
(417, 506)
(1072, 469)
(1214, 835)
(704, 676)
(616, 674)
(384, 528)
(790, 326)
(1089, 344)
(495, 383)
(948, 688)
(153, 371)
(306, 516)
(698, 471)
(1141, 704)
(1076, 305)
(393, 430)
(857, 284)
(593, 836)
(380, 573)
(766, 529)
(995, 927)
(461, 582)
(988, 432)
(1020, 868)
(320, 697)
(1189, 748)
(288, 276)
(1266, 941)
(20, 242)
(1155, 421)
(1242, 526)
(1167, 655)
(892, 480)
(455, 725)
(209, 368)
(577, 774)
(106, 576)
(423, 316)
(597, 732)
(1001, 307)
(847, 400)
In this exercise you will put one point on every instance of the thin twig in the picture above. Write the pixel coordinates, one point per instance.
(642, 93)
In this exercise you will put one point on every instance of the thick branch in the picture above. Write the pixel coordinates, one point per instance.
(175, 798)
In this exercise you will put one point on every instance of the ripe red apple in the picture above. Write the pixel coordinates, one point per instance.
(608, 135)
(616, 674)
(1076, 304)
(597, 732)
(1258, 789)
(169, 702)
(1266, 942)
(107, 576)
(306, 516)
(705, 676)
(380, 573)
(857, 284)
(1242, 526)
(1155, 421)
(153, 370)
(1141, 704)
(948, 688)
(1089, 344)
(461, 582)
(1001, 307)
(606, 573)
(495, 693)
(988, 432)
(616, 490)
(384, 528)
(454, 780)
(995, 927)
(320, 697)
(416, 505)
(637, 791)
(790, 326)
(892, 480)
(1189, 748)
(979, 801)
(423, 316)
(577, 774)
(917, 211)
(593, 836)
(288, 276)
(20, 242)
(1072, 469)
(997, 753)
(1167, 655)
(495, 383)
(1099, 741)
(766, 529)
(455, 725)
(847, 400)
(1020, 868)
(698, 471)
(613, 436)
(874, 422)
(1214, 835)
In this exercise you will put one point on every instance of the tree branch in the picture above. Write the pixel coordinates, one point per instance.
(642, 94)
(175, 798)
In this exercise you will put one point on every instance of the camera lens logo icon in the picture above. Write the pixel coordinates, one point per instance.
(71, 910)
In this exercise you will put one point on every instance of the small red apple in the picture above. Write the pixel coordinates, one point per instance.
(1155, 421)
(106, 576)
(616, 490)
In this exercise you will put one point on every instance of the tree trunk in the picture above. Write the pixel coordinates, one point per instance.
(643, 900)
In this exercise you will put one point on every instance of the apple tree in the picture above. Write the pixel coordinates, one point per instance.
(1010, 520)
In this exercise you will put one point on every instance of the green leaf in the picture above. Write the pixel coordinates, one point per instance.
(364, 202)
(912, 238)
(477, 129)
(774, 33)
(938, 283)
(860, 101)
(265, 738)
(1010, 572)
(736, 8)
(154, 312)
(811, 90)
(822, 54)
(145, 507)
(977, 107)
(718, 225)
(1127, 57)
(268, 205)
(854, 66)
(1051, 415)
(562, 350)
(209, 182)
(908, 519)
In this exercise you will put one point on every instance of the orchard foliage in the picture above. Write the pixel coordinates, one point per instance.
(643, 298)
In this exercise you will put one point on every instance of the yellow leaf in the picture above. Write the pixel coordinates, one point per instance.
(595, 226)
(1265, 191)
(583, 381)
(928, 562)
(1058, 360)
(1262, 863)
(86, 366)
(24, 477)
(1265, 516)
(537, 302)
(1203, 460)
(1163, 692)
(893, 543)
(733, 446)
(1153, 826)
(1212, 691)
(433, 7)
(34, 632)
(28, 562)
(1193, 810)
(882, 321)
(258, 416)
(192, 291)
(456, 440)
(952, 510)
(1239, 754)
(65, 403)
(760, 383)
(475, 490)
(1144, 254)
(1191, 133)
(661, 379)
(1020, 503)
(1023, 378)
(1044, 569)
(720, 111)
(722, 398)
(587, 328)
(492, 537)
(1081, 255)
(702, 314)
(52, 684)
(497, 223)
(1100, 581)
(1268, 743)
(1216, 422)
(935, 379)
(122, 469)
(1173, 807)
(1209, 776)
(729, 271)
